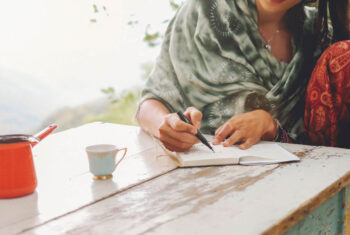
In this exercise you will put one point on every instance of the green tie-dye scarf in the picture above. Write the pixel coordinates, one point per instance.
(213, 58)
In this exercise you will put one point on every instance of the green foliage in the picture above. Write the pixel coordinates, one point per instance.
(175, 4)
(152, 39)
(97, 11)
(69, 117)
(95, 8)
(110, 92)
(133, 22)
(119, 108)
(122, 110)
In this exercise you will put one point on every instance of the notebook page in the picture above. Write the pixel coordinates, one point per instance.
(265, 152)
(201, 155)
(261, 153)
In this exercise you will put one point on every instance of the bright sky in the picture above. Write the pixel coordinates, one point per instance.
(56, 45)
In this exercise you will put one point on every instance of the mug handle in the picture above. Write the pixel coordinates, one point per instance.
(125, 150)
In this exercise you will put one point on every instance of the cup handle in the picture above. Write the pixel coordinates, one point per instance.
(125, 150)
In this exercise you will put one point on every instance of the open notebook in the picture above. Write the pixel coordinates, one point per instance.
(262, 153)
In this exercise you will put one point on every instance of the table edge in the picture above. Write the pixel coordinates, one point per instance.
(295, 216)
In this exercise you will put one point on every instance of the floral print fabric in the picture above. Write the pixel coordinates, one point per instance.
(327, 117)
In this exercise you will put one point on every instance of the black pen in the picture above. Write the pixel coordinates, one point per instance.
(198, 135)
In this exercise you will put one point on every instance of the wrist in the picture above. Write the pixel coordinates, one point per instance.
(271, 131)
(160, 121)
(151, 116)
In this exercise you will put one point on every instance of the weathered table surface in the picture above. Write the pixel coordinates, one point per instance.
(205, 200)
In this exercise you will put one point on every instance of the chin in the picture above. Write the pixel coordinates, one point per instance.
(278, 5)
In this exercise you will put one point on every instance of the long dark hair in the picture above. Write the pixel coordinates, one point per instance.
(295, 18)
(337, 19)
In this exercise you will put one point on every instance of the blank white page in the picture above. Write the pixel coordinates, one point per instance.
(261, 153)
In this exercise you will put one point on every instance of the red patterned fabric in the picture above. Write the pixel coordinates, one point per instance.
(327, 118)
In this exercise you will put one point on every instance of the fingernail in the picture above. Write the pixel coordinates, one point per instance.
(194, 131)
(242, 147)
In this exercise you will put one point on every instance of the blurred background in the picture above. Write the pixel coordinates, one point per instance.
(74, 62)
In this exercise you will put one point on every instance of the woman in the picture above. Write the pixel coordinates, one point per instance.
(240, 64)
(327, 113)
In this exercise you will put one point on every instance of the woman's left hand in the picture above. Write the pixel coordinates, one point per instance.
(247, 128)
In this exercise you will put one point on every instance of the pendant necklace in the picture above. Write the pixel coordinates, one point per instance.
(267, 42)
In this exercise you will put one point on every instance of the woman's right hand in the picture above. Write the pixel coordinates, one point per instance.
(177, 135)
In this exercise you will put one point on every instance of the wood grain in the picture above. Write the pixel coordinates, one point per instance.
(147, 196)
(64, 181)
(217, 200)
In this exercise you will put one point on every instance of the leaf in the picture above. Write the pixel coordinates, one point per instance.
(151, 38)
(174, 5)
(109, 90)
(93, 20)
(132, 22)
(95, 8)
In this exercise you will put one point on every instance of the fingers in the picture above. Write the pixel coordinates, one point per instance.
(172, 148)
(178, 125)
(177, 135)
(175, 145)
(194, 115)
(168, 134)
(237, 137)
(225, 130)
(246, 129)
(248, 143)
(234, 138)
(219, 130)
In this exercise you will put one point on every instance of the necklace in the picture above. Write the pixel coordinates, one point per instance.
(268, 41)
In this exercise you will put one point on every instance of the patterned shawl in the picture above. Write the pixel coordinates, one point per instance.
(214, 59)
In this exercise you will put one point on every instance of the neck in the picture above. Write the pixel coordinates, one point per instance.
(271, 20)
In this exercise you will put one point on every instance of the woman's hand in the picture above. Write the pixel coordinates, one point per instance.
(247, 129)
(177, 135)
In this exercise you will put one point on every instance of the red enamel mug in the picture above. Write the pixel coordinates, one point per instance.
(17, 172)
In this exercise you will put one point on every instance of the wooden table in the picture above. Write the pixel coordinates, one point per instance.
(150, 195)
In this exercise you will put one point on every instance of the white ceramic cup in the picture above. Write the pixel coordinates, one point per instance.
(102, 159)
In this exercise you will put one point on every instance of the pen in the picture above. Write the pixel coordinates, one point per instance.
(199, 134)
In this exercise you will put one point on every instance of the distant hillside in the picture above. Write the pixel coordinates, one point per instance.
(69, 117)
(122, 110)
(21, 102)
(27, 105)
